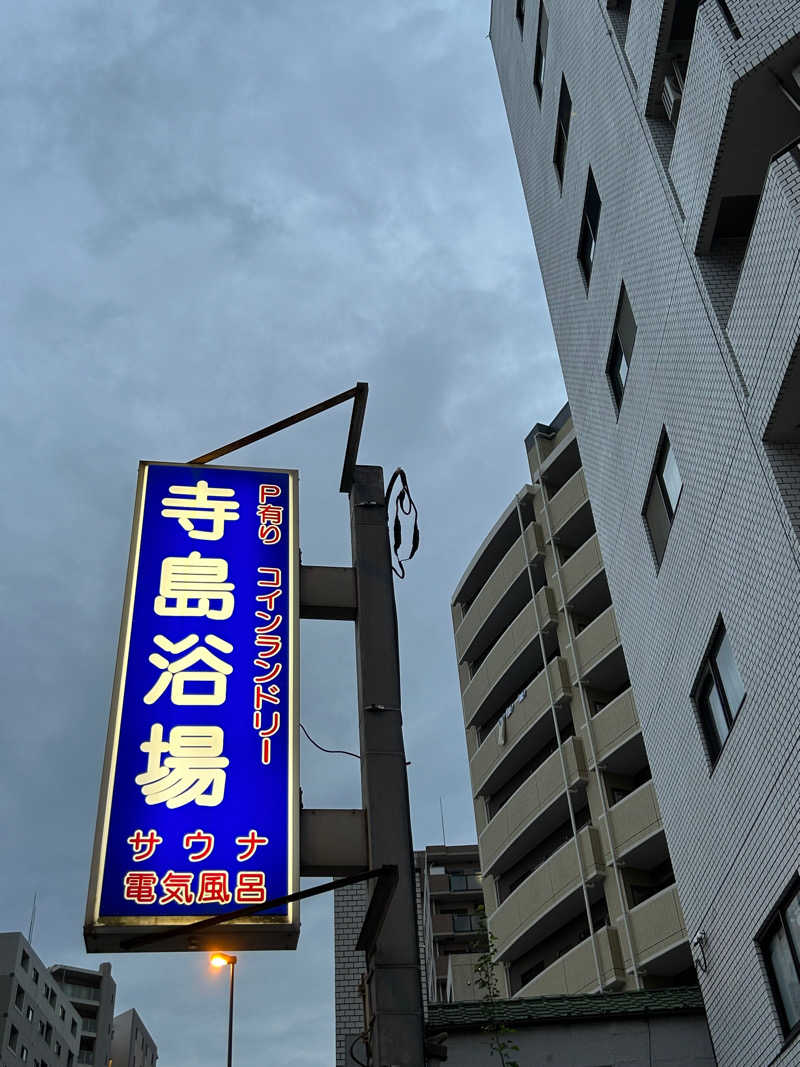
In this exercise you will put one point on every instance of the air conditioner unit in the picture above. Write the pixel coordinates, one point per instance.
(671, 99)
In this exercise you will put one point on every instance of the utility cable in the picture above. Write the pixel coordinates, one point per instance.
(330, 751)
(404, 503)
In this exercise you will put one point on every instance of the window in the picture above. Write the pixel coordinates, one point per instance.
(562, 130)
(35, 976)
(780, 946)
(622, 342)
(58, 1048)
(589, 226)
(70, 1059)
(19, 998)
(662, 497)
(62, 1014)
(29, 1013)
(719, 691)
(73, 1027)
(521, 15)
(13, 1038)
(46, 988)
(23, 1053)
(24, 960)
(541, 51)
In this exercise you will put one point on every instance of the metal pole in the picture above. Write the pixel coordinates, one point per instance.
(394, 991)
(230, 1019)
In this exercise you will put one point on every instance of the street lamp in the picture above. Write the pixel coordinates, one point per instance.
(222, 959)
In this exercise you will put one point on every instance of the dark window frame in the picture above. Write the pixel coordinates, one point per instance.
(617, 354)
(709, 674)
(540, 53)
(563, 117)
(590, 228)
(521, 15)
(658, 492)
(775, 921)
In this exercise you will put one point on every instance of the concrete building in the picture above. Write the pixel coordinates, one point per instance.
(657, 146)
(38, 1024)
(579, 888)
(645, 1029)
(92, 994)
(132, 1045)
(449, 907)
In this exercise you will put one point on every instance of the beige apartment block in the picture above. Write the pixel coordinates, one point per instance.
(577, 878)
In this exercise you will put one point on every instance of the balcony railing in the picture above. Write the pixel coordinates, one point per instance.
(81, 992)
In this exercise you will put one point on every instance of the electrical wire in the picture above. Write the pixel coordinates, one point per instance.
(357, 1038)
(404, 504)
(330, 751)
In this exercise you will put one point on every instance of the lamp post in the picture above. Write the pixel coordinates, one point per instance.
(222, 959)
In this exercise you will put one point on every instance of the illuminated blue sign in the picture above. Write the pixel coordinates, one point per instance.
(199, 804)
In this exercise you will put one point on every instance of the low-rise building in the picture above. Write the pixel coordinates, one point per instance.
(132, 1045)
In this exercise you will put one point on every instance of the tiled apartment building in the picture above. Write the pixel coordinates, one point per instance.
(579, 888)
(657, 142)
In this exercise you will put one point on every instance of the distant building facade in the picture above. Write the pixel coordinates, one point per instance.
(449, 897)
(132, 1045)
(657, 143)
(450, 909)
(38, 1024)
(92, 994)
(577, 877)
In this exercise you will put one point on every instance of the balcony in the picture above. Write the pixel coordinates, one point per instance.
(526, 729)
(615, 725)
(763, 295)
(493, 609)
(549, 886)
(462, 884)
(569, 499)
(508, 835)
(596, 642)
(659, 933)
(450, 925)
(81, 992)
(583, 565)
(635, 819)
(576, 971)
(515, 658)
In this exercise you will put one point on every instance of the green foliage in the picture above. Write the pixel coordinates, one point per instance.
(500, 1043)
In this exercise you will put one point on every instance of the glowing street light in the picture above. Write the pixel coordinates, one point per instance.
(223, 959)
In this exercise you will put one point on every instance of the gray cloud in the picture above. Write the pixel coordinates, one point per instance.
(215, 215)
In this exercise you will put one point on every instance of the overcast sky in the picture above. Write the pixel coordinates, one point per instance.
(215, 214)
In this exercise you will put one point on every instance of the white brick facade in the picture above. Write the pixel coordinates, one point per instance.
(715, 357)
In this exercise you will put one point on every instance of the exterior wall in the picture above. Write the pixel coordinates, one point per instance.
(576, 872)
(716, 343)
(41, 1008)
(92, 994)
(349, 908)
(679, 1042)
(132, 1045)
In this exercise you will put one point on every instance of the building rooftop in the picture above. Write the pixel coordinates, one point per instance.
(469, 1015)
